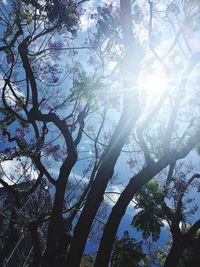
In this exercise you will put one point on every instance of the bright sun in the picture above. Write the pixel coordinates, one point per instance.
(152, 85)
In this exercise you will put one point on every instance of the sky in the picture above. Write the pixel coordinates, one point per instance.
(155, 75)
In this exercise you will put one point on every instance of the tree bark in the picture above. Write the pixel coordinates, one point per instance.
(33, 228)
(119, 210)
(54, 229)
(12, 239)
(173, 257)
(95, 195)
(127, 195)
(128, 118)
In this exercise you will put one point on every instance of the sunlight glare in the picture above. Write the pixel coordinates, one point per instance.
(152, 84)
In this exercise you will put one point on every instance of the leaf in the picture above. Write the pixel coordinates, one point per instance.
(150, 219)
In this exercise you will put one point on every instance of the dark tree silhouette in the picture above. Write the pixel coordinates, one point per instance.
(74, 106)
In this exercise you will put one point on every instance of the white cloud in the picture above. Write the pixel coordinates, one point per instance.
(79, 179)
(11, 171)
(5, 2)
(112, 194)
(166, 225)
(86, 22)
(8, 94)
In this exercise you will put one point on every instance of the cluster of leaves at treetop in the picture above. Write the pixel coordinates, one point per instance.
(150, 218)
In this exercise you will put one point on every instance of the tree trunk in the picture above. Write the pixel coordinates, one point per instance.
(126, 196)
(118, 212)
(33, 228)
(95, 195)
(128, 118)
(9, 244)
(56, 220)
(174, 256)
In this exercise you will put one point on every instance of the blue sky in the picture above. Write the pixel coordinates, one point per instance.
(157, 80)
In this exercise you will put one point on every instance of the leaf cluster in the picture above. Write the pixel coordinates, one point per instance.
(127, 252)
(149, 219)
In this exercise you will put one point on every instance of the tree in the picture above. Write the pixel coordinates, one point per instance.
(54, 113)
(184, 231)
(126, 252)
(150, 218)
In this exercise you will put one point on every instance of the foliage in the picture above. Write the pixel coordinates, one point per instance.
(150, 218)
(84, 88)
(107, 20)
(155, 209)
(63, 13)
(126, 252)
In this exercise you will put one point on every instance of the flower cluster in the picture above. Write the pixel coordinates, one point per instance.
(47, 72)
